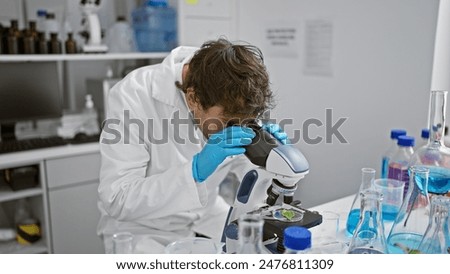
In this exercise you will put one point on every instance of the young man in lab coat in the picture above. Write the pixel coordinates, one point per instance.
(165, 145)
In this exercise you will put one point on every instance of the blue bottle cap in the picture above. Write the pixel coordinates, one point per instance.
(425, 133)
(157, 3)
(405, 141)
(296, 238)
(41, 13)
(397, 132)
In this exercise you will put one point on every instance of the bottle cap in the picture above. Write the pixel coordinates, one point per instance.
(425, 133)
(397, 132)
(297, 238)
(405, 141)
(157, 3)
(41, 13)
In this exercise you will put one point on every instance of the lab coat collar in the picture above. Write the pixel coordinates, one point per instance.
(163, 85)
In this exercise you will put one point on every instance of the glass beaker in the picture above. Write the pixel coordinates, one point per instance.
(368, 237)
(412, 219)
(435, 155)
(250, 233)
(368, 176)
(437, 236)
(122, 243)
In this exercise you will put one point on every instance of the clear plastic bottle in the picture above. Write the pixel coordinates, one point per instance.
(119, 37)
(367, 178)
(436, 156)
(28, 227)
(424, 137)
(250, 234)
(51, 25)
(90, 125)
(436, 239)
(296, 240)
(369, 237)
(398, 164)
(411, 221)
(391, 151)
(155, 26)
(41, 17)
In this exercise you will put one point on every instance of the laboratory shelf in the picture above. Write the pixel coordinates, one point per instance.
(81, 57)
(6, 194)
(12, 247)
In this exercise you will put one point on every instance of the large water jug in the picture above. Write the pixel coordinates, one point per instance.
(155, 26)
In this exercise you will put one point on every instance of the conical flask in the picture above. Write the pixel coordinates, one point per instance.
(435, 155)
(250, 235)
(412, 219)
(437, 236)
(368, 175)
(368, 237)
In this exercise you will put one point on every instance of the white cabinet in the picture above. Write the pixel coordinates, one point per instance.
(72, 196)
(36, 198)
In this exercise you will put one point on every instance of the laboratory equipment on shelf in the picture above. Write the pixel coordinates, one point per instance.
(91, 24)
(411, 221)
(395, 133)
(297, 240)
(367, 178)
(251, 235)
(435, 156)
(436, 239)
(155, 26)
(368, 237)
(278, 169)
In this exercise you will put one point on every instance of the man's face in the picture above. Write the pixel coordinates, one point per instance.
(210, 120)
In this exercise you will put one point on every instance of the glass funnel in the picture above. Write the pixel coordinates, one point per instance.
(412, 219)
(435, 155)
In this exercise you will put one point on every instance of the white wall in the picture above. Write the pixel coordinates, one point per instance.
(381, 59)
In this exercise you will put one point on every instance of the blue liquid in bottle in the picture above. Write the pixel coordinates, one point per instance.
(439, 180)
(389, 212)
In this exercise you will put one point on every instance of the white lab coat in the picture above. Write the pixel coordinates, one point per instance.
(146, 185)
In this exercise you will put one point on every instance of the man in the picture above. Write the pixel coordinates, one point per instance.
(165, 146)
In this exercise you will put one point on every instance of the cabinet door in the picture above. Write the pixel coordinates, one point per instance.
(74, 218)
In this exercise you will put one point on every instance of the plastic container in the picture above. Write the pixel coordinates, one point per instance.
(424, 136)
(296, 240)
(391, 151)
(399, 163)
(155, 26)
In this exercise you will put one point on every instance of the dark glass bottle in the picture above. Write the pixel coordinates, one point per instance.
(29, 43)
(70, 44)
(12, 40)
(54, 45)
(41, 44)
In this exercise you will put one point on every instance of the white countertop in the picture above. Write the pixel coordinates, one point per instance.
(36, 155)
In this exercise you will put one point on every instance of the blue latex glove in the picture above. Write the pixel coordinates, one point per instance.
(229, 141)
(277, 132)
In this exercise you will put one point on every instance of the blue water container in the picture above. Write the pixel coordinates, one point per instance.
(155, 26)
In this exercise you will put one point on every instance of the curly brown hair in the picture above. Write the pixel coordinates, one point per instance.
(232, 76)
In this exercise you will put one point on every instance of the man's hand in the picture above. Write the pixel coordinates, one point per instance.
(229, 141)
(277, 132)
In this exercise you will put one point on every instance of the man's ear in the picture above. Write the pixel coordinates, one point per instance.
(190, 99)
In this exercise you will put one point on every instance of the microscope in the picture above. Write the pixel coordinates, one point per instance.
(268, 190)
(92, 30)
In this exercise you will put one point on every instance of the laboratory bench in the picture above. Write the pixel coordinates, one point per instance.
(64, 199)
